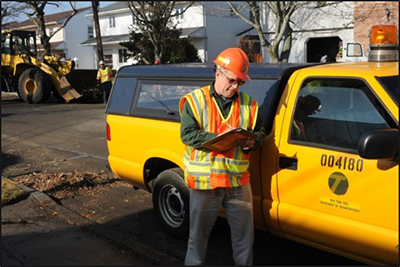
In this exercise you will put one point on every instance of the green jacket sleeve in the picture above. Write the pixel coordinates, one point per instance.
(191, 134)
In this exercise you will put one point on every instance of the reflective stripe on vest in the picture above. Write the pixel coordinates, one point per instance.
(207, 169)
(104, 75)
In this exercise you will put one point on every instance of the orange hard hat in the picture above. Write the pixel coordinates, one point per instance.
(235, 60)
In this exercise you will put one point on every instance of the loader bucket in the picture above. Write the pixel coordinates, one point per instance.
(84, 81)
(67, 91)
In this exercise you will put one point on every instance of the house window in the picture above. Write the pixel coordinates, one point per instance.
(111, 22)
(123, 55)
(134, 20)
(108, 59)
(51, 30)
(178, 17)
(90, 32)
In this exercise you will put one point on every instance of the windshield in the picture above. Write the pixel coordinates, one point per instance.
(23, 41)
(391, 85)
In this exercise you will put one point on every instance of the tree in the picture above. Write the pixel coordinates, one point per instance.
(34, 10)
(95, 6)
(176, 49)
(153, 19)
(37, 8)
(10, 12)
(279, 46)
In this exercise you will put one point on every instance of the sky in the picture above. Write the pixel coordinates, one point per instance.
(65, 6)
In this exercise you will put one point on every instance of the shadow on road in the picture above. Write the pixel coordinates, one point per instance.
(8, 160)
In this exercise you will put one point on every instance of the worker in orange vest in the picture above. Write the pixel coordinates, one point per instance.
(104, 77)
(220, 179)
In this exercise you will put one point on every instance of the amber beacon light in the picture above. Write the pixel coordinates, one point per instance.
(383, 43)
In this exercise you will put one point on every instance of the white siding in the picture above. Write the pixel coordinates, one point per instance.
(76, 32)
(58, 37)
(329, 21)
(219, 30)
(122, 24)
(193, 17)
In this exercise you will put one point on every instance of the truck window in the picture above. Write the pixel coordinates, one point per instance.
(121, 96)
(5, 43)
(162, 96)
(336, 112)
(157, 99)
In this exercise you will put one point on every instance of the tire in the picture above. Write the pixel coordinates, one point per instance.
(171, 202)
(34, 86)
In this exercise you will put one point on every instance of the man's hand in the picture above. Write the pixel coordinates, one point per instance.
(245, 144)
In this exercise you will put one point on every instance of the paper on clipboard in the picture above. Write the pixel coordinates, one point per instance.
(228, 139)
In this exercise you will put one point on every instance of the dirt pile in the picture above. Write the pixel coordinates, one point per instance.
(63, 185)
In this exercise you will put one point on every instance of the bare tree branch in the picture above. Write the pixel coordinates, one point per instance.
(153, 18)
(35, 12)
(74, 11)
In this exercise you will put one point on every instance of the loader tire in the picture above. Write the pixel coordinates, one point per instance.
(34, 86)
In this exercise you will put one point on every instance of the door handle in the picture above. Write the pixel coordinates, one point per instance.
(288, 163)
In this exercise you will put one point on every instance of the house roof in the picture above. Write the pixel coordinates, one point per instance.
(119, 5)
(111, 39)
(112, 7)
(52, 18)
(197, 32)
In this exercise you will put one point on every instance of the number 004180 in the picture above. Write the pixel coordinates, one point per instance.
(344, 163)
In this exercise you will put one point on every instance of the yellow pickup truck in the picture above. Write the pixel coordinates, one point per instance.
(330, 182)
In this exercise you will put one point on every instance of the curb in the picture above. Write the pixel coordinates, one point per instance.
(70, 217)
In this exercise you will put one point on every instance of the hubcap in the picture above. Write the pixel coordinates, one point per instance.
(171, 206)
(30, 87)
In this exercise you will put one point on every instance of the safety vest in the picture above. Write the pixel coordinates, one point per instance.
(208, 169)
(104, 75)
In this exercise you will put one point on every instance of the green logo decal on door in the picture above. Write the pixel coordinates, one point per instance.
(338, 183)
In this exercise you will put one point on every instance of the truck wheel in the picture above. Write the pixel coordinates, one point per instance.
(171, 202)
(34, 86)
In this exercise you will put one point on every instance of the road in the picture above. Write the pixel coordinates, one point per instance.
(54, 137)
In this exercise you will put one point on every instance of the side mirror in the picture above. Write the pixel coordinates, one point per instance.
(379, 144)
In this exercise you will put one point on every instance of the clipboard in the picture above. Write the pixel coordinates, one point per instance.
(228, 139)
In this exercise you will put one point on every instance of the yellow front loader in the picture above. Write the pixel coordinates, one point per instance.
(34, 79)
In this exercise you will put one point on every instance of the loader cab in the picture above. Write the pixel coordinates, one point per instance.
(15, 42)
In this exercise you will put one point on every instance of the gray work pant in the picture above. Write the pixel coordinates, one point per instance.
(204, 209)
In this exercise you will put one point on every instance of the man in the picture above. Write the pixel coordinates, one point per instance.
(17, 46)
(306, 106)
(216, 178)
(104, 77)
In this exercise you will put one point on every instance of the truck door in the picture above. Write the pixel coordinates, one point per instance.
(328, 195)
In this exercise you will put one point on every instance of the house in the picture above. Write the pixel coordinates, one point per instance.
(211, 27)
(65, 43)
(337, 32)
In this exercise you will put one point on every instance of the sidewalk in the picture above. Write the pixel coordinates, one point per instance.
(37, 231)
(9, 96)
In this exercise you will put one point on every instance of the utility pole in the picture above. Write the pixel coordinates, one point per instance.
(95, 6)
